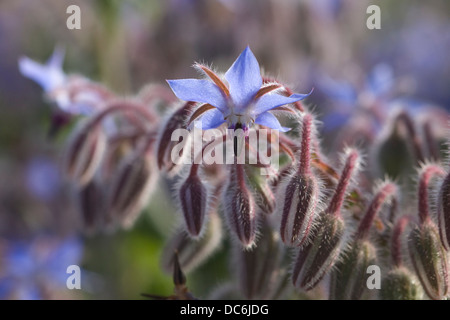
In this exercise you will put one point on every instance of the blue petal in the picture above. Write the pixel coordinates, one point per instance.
(209, 120)
(57, 59)
(270, 101)
(244, 79)
(269, 120)
(199, 91)
(48, 76)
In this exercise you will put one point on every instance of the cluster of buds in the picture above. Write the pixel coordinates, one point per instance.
(298, 223)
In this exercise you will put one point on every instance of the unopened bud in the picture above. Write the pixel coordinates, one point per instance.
(131, 187)
(239, 207)
(90, 205)
(398, 149)
(444, 212)
(429, 259)
(193, 196)
(84, 153)
(316, 258)
(165, 145)
(400, 284)
(193, 252)
(300, 192)
(349, 278)
(257, 269)
(300, 201)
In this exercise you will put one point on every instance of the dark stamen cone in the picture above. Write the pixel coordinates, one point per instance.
(193, 252)
(131, 187)
(429, 259)
(239, 207)
(84, 153)
(444, 212)
(193, 196)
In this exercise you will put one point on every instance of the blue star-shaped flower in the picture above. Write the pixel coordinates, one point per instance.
(49, 75)
(244, 101)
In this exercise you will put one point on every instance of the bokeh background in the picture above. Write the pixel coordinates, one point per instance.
(125, 45)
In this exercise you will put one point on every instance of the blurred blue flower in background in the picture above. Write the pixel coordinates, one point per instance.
(49, 75)
(33, 269)
(372, 96)
(43, 178)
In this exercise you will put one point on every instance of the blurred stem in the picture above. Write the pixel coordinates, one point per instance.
(111, 46)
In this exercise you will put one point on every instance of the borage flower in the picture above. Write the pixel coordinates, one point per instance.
(72, 94)
(241, 103)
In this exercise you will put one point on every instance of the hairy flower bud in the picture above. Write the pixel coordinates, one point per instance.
(298, 209)
(131, 187)
(400, 284)
(315, 259)
(444, 212)
(164, 146)
(348, 280)
(429, 259)
(258, 268)
(84, 153)
(193, 196)
(300, 193)
(239, 207)
(318, 256)
(193, 252)
(398, 149)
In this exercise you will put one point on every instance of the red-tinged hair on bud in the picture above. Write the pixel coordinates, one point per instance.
(352, 162)
(443, 208)
(427, 253)
(385, 192)
(300, 192)
(427, 173)
(348, 279)
(132, 185)
(318, 256)
(429, 259)
(400, 283)
(176, 120)
(193, 198)
(84, 152)
(193, 252)
(240, 208)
